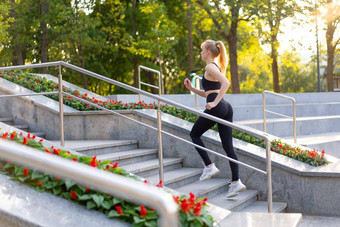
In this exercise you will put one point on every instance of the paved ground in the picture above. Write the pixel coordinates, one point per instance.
(319, 221)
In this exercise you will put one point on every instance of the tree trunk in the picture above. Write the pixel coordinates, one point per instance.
(232, 42)
(18, 58)
(191, 53)
(135, 58)
(330, 63)
(274, 56)
(82, 65)
(45, 7)
(151, 79)
(330, 51)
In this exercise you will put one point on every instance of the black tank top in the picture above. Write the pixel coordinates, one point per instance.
(211, 85)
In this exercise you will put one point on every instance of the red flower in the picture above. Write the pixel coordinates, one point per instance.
(33, 137)
(143, 211)
(94, 161)
(4, 136)
(176, 199)
(323, 153)
(48, 151)
(204, 201)
(192, 198)
(115, 165)
(74, 195)
(145, 181)
(29, 136)
(13, 136)
(40, 183)
(41, 140)
(56, 151)
(87, 190)
(160, 184)
(185, 206)
(74, 159)
(25, 172)
(198, 209)
(25, 141)
(57, 179)
(119, 209)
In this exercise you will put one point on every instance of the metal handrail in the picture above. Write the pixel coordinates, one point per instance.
(197, 82)
(281, 115)
(159, 120)
(113, 184)
(160, 98)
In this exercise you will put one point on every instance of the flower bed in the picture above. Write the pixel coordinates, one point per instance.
(192, 210)
(40, 84)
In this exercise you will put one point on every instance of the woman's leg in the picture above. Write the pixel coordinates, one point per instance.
(200, 127)
(226, 135)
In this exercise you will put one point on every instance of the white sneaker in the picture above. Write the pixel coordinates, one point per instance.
(235, 189)
(209, 172)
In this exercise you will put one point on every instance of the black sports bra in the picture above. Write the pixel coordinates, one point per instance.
(209, 85)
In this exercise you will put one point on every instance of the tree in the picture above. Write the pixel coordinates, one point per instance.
(226, 16)
(273, 12)
(332, 21)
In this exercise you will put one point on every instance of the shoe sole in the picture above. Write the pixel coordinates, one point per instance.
(236, 193)
(218, 172)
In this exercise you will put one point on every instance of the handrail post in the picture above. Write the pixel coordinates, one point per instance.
(139, 85)
(264, 111)
(294, 119)
(61, 111)
(269, 177)
(197, 79)
(159, 122)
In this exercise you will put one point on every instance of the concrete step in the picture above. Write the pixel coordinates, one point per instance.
(262, 207)
(302, 110)
(151, 167)
(304, 125)
(7, 120)
(130, 156)
(177, 178)
(22, 127)
(236, 203)
(99, 147)
(261, 220)
(207, 188)
(39, 134)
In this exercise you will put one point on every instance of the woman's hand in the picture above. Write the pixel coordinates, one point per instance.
(187, 84)
(210, 105)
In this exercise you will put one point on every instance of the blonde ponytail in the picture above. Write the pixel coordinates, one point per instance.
(217, 50)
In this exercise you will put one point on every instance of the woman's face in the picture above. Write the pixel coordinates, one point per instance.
(204, 53)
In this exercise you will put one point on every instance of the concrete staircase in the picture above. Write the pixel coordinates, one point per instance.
(10, 121)
(144, 163)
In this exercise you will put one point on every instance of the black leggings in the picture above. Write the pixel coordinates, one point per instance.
(225, 111)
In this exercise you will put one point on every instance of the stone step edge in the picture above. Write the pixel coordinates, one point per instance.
(113, 144)
(122, 155)
(184, 190)
(235, 201)
(151, 166)
(196, 171)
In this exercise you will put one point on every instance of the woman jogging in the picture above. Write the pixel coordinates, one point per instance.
(215, 85)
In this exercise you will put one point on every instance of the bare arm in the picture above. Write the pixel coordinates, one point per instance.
(213, 72)
(187, 84)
